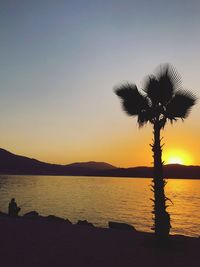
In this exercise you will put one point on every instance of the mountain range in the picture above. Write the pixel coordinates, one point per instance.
(15, 164)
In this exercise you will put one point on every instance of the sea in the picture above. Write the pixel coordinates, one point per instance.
(103, 199)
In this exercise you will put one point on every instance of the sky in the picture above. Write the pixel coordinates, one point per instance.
(60, 61)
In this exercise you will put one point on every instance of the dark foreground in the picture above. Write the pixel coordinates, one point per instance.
(41, 243)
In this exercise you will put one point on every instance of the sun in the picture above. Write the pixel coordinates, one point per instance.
(177, 156)
(175, 160)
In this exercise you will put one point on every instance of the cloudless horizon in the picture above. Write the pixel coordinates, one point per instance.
(60, 61)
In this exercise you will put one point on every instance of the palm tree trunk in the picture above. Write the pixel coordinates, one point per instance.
(161, 217)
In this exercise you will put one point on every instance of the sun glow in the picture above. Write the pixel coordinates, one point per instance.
(175, 160)
(177, 157)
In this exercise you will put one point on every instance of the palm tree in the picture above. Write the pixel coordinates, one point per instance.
(161, 100)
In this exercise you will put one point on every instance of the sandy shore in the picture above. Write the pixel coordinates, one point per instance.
(39, 243)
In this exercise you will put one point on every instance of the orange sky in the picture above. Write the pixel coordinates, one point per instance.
(122, 145)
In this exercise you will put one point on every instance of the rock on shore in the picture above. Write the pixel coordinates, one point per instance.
(27, 242)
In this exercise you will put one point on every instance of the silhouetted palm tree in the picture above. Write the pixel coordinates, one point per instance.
(162, 99)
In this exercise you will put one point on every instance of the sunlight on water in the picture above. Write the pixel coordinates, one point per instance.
(99, 200)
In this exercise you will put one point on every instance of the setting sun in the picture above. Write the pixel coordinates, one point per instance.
(175, 160)
(177, 157)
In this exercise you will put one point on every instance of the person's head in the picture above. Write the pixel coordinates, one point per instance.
(12, 200)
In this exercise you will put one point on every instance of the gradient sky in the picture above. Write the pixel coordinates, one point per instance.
(60, 61)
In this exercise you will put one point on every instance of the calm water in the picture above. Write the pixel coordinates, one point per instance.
(102, 199)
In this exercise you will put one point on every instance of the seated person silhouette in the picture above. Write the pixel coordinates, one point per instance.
(13, 209)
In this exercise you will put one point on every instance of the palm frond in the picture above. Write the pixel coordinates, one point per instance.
(151, 88)
(169, 81)
(143, 118)
(180, 105)
(133, 102)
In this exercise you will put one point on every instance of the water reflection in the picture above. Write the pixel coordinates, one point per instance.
(102, 199)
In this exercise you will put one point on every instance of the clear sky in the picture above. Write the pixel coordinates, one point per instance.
(60, 61)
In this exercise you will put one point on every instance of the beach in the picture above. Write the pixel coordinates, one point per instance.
(28, 242)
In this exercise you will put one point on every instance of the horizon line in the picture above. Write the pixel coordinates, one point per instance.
(93, 161)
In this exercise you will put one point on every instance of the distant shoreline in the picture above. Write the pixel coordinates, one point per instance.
(96, 176)
(11, 164)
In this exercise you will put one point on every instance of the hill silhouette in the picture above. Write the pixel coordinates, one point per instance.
(15, 164)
